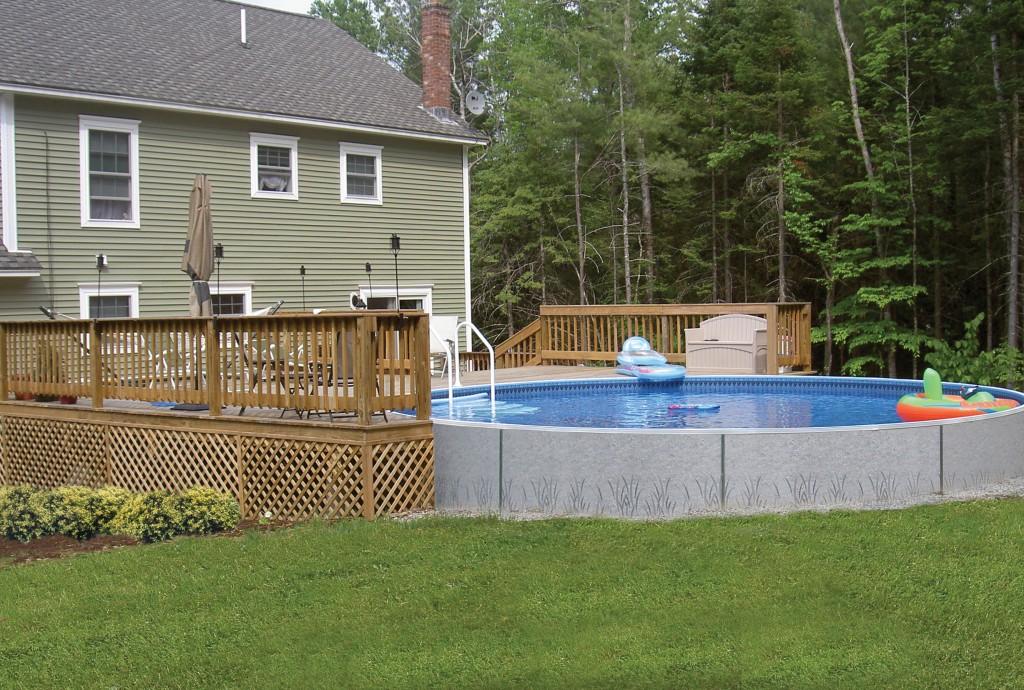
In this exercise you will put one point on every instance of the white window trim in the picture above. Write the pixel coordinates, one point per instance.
(424, 291)
(108, 124)
(256, 139)
(8, 170)
(361, 150)
(234, 288)
(87, 290)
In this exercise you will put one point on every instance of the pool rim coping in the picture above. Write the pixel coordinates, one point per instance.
(440, 395)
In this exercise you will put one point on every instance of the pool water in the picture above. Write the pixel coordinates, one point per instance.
(744, 403)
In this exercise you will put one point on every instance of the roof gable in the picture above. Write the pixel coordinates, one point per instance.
(189, 53)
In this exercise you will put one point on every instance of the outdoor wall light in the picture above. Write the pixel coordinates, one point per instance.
(101, 263)
(218, 255)
(396, 246)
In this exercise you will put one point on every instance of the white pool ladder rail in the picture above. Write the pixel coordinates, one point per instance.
(490, 350)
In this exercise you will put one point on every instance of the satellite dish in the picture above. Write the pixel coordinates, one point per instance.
(475, 102)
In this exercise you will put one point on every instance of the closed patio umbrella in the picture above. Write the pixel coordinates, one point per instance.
(197, 260)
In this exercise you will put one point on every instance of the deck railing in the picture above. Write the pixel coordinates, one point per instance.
(578, 334)
(362, 363)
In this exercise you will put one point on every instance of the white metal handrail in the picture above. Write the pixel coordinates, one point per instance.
(487, 344)
(447, 361)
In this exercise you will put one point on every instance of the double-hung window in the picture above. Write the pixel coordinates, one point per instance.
(361, 174)
(109, 162)
(109, 301)
(274, 163)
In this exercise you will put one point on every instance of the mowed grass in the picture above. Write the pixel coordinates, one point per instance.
(929, 596)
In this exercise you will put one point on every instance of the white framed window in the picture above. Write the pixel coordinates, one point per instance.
(410, 297)
(274, 166)
(108, 300)
(231, 299)
(109, 171)
(361, 174)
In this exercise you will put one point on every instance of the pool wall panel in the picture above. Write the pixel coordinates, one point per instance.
(650, 475)
(468, 476)
(981, 451)
(830, 468)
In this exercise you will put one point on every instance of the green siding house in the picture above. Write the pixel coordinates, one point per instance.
(317, 152)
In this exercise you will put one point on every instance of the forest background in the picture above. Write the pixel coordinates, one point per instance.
(863, 156)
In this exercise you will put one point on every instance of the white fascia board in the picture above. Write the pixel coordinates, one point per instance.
(242, 114)
(465, 243)
(19, 274)
(8, 174)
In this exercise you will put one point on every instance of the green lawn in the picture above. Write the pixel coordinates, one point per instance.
(929, 596)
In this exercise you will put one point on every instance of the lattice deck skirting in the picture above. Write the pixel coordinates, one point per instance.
(293, 470)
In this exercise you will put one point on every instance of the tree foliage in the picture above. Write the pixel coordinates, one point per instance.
(676, 151)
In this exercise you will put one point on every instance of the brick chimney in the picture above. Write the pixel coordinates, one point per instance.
(436, 47)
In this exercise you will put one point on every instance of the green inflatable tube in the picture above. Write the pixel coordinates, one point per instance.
(932, 384)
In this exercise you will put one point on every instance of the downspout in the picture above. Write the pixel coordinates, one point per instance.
(465, 243)
(49, 225)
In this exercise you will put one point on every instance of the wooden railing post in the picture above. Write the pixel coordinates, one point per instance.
(95, 364)
(421, 368)
(364, 374)
(543, 336)
(369, 497)
(214, 376)
(3, 364)
(772, 316)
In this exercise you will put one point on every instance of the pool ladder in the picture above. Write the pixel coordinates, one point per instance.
(448, 359)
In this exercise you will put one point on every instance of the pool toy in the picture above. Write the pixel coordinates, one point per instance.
(698, 407)
(639, 360)
(932, 404)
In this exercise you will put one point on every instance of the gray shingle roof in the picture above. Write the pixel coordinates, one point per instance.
(189, 52)
(18, 263)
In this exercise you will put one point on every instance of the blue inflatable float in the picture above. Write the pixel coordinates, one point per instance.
(639, 360)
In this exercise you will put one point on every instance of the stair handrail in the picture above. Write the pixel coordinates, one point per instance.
(469, 325)
(447, 360)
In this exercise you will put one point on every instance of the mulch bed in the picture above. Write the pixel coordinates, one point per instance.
(59, 546)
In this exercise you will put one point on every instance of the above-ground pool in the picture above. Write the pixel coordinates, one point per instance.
(719, 402)
(614, 447)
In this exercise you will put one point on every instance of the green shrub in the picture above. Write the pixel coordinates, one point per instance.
(107, 503)
(202, 511)
(24, 514)
(966, 361)
(73, 512)
(147, 517)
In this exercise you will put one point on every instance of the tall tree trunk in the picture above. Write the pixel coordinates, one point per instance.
(869, 169)
(911, 183)
(624, 97)
(581, 235)
(1010, 140)
(647, 216)
(780, 203)
(726, 240)
(714, 237)
(627, 277)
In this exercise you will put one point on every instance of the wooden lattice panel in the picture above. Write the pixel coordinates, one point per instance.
(49, 453)
(291, 470)
(146, 459)
(296, 479)
(403, 476)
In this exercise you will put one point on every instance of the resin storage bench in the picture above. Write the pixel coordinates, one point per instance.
(728, 344)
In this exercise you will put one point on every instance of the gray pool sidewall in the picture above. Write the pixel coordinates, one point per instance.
(657, 474)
